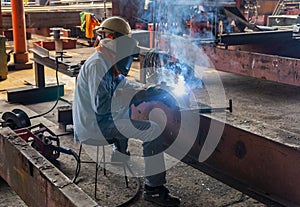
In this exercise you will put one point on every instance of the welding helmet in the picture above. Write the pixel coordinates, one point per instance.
(122, 45)
(127, 48)
(116, 25)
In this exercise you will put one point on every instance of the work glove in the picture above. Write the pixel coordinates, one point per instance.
(154, 93)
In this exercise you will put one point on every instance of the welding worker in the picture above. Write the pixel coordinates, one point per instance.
(98, 79)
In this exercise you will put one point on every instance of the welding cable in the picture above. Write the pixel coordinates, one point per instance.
(69, 151)
(151, 61)
(150, 58)
(155, 58)
(57, 83)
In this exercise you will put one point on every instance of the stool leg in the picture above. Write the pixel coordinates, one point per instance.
(126, 179)
(104, 161)
(96, 176)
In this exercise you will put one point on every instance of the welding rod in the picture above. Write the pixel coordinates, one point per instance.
(211, 110)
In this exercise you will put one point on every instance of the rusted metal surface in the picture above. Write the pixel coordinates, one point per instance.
(34, 178)
(266, 7)
(65, 19)
(264, 164)
(56, 16)
(270, 67)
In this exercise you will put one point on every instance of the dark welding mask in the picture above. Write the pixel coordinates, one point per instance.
(123, 46)
(127, 47)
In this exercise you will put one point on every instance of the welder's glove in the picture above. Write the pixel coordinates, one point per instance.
(153, 93)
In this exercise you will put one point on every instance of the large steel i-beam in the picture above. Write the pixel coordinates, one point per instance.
(255, 158)
(35, 179)
(263, 66)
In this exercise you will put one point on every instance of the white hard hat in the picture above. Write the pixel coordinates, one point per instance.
(114, 24)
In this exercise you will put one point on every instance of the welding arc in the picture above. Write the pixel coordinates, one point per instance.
(16, 119)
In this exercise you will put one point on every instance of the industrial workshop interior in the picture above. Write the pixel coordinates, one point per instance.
(150, 103)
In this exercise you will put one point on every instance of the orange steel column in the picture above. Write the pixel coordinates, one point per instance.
(1, 22)
(19, 31)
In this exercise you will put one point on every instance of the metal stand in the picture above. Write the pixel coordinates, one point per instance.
(36, 93)
(40, 92)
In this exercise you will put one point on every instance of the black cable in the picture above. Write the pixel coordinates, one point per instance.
(69, 151)
(58, 96)
(155, 59)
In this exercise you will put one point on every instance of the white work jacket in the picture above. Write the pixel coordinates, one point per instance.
(92, 105)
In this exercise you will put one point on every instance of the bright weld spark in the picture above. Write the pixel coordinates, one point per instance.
(179, 89)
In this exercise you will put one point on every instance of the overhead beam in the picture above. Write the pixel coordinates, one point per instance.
(55, 16)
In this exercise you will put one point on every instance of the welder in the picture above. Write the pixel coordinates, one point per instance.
(93, 114)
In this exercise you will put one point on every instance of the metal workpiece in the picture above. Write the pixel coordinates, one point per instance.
(70, 63)
(37, 181)
(67, 63)
(255, 158)
(58, 39)
(269, 67)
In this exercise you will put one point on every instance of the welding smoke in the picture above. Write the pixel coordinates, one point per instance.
(178, 61)
(181, 28)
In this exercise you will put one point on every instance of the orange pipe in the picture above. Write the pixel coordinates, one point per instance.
(1, 22)
(19, 31)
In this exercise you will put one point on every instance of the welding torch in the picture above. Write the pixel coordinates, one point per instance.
(162, 95)
(212, 110)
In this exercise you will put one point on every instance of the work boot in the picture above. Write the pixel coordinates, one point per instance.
(118, 156)
(160, 195)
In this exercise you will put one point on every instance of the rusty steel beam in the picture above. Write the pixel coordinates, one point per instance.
(262, 166)
(270, 67)
(35, 179)
(55, 16)
(257, 159)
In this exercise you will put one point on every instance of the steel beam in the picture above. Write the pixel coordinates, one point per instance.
(55, 16)
(270, 67)
(257, 159)
(35, 179)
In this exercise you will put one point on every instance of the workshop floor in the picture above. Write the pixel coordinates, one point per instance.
(194, 187)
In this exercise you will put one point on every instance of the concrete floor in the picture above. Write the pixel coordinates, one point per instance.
(194, 187)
